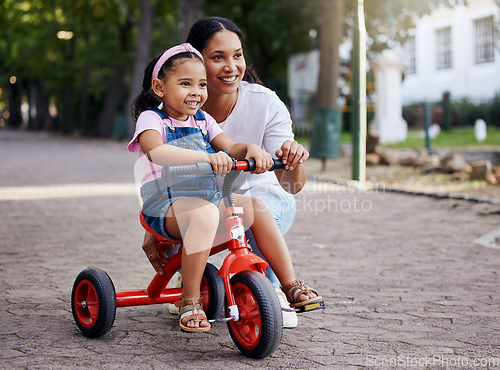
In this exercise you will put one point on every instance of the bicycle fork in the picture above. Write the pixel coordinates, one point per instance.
(239, 259)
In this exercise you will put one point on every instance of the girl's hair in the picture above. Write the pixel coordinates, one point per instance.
(202, 31)
(147, 98)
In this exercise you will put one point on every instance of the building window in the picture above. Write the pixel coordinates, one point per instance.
(484, 40)
(443, 42)
(409, 49)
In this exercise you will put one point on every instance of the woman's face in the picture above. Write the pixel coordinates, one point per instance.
(225, 62)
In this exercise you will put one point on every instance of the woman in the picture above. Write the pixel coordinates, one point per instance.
(250, 113)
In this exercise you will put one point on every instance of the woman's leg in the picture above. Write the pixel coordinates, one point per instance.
(195, 221)
(282, 207)
(270, 240)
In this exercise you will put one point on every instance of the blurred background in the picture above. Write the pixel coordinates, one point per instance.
(73, 67)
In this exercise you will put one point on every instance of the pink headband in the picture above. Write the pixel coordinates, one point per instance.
(182, 48)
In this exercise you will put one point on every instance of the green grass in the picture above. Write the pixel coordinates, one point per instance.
(453, 138)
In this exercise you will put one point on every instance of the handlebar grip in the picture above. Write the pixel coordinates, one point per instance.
(197, 169)
(278, 165)
(205, 168)
(248, 165)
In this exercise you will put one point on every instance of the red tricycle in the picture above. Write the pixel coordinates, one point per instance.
(253, 311)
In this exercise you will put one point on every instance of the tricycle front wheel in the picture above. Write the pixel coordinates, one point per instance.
(93, 302)
(258, 332)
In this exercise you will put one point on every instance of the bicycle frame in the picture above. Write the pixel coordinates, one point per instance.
(233, 239)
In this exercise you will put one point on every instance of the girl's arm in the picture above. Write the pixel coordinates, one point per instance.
(239, 151)
(161, 154)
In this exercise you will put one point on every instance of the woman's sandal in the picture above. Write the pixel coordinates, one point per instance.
(295, 289)
(191, 309)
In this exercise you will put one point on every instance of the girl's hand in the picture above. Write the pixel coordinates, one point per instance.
(221, 163)
(292, 154)
(263, 160)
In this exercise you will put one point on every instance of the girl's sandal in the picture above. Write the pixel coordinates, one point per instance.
(295, 289)
(191, 309)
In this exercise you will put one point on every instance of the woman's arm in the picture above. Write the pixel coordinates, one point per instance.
(150, 247)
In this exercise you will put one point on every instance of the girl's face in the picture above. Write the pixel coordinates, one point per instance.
(184, 89)
(224, 62)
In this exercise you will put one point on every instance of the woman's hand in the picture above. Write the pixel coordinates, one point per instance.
(221, 163)
(263, 160)
(150, 247)
(292, 154)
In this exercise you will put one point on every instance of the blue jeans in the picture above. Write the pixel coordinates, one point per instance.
(158, 195)
(282, 207)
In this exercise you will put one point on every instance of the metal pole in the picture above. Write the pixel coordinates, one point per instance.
(359, 96)
(427, 125)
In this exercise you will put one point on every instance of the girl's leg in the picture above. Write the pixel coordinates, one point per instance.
(270, 240)
(196, 221)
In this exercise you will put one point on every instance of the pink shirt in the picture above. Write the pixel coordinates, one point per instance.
(149, 120)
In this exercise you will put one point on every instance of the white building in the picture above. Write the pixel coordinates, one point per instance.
(455, 50)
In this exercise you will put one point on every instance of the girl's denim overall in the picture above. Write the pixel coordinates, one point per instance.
(159, 194)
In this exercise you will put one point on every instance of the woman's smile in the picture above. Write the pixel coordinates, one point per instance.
(229, 80)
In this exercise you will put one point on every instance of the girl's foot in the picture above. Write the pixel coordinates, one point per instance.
(192, 318)
(298, 294)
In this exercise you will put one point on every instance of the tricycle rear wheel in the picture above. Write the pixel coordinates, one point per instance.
(212, 292)
(93, 302)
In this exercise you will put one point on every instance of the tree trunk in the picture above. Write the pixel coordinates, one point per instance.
(111, 103)
(330, 37)
(141, 58)
(43, 118)
(84, 101)
(189, 12)
(28, 87)
(114, 94)
(15, 119)
(327, 119)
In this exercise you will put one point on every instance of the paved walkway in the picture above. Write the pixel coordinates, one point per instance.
(408, 280)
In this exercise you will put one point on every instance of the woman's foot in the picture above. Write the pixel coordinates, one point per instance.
(298, 294)
(192, 318)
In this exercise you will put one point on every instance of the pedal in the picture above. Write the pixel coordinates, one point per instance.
(311, 306)
(225, 319)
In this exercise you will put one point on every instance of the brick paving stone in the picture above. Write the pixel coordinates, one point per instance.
(401, 275)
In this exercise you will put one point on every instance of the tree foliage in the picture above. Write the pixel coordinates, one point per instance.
(388, 21)
(273, 31)
(86, 72)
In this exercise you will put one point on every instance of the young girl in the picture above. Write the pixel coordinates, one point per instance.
(177, 135)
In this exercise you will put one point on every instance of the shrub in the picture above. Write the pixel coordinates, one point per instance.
(494, 111)
(468, 112)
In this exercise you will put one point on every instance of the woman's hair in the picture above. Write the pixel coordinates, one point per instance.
(202, 31)
(147, 99)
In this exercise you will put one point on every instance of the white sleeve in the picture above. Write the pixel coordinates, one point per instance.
(278, 128)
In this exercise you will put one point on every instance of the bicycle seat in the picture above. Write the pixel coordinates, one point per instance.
(150, 230)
